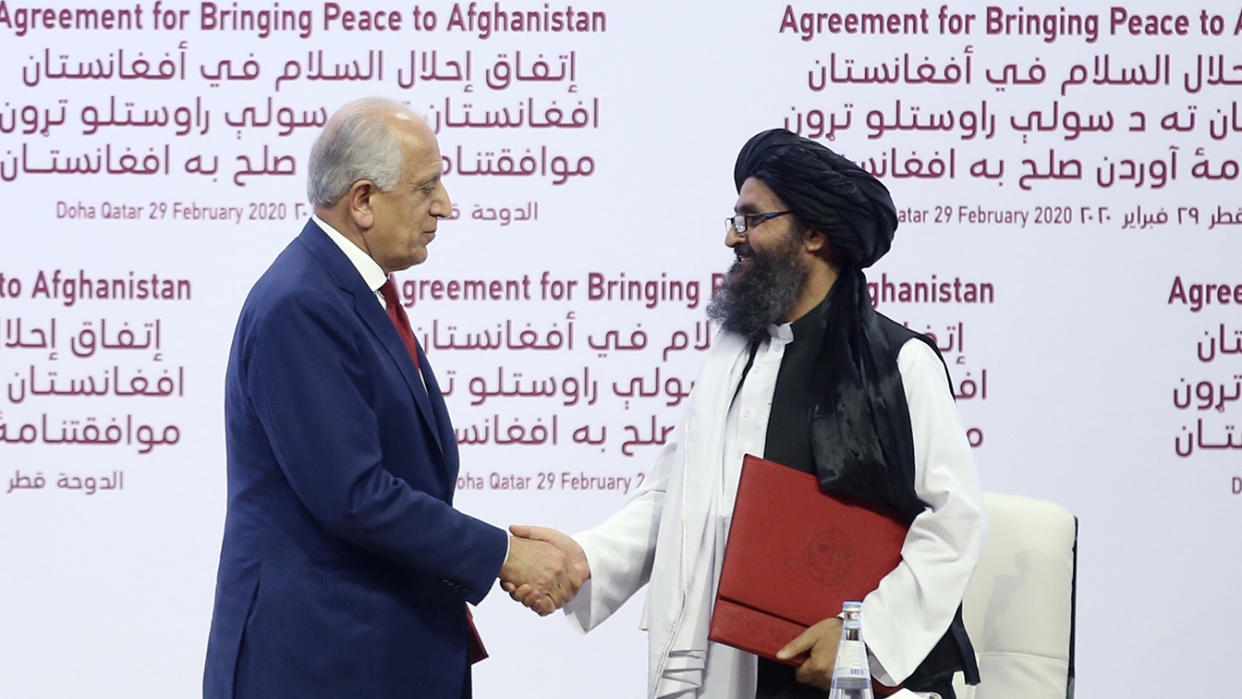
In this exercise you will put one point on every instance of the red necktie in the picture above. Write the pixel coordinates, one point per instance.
(396, 313)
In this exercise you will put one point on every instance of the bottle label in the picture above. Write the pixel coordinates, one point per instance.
(851, 661)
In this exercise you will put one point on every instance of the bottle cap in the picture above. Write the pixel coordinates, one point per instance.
(851, 606)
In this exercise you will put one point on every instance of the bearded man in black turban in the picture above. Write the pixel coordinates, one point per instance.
(806, 373)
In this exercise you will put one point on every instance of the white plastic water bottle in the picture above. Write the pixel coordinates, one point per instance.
(851, 677)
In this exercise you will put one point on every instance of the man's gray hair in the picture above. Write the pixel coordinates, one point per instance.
(355, 145)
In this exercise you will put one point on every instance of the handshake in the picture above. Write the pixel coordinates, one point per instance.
(544, 569)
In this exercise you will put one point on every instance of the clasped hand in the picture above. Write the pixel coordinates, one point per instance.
(821, 641)
(545, 568)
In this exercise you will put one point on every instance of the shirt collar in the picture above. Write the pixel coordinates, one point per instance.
(370, 270)
(812, 323)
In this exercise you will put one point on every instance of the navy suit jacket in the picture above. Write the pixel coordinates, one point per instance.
(344, 569)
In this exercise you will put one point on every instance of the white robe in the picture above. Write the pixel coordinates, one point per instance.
(672, 532)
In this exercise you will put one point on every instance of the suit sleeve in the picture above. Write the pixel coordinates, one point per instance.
(308, 383)
(913, 605)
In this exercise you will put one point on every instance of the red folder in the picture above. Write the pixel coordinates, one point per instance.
(474, 646)
(794, 555)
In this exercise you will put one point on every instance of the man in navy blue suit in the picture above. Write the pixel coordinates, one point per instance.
(344, 569)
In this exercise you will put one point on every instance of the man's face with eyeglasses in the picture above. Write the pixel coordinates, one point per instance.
(768, 275)
(763, 218)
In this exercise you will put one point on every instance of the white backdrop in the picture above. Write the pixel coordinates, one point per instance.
(1068, 190)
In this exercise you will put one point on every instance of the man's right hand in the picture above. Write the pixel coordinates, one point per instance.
(577, 567)
(542, 571)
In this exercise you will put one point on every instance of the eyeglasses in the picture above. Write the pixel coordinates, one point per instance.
(741, 223)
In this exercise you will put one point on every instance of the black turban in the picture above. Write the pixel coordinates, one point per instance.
(827, 191)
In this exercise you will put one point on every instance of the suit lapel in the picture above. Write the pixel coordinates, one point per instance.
(448, 440)
(381, 325)
(377, 321)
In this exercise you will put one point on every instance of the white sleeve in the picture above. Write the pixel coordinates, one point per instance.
(912, 607)
(621, 550)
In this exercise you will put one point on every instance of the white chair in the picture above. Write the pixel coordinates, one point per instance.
(1019, 607)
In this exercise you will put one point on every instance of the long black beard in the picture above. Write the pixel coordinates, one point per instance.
(752, 299)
